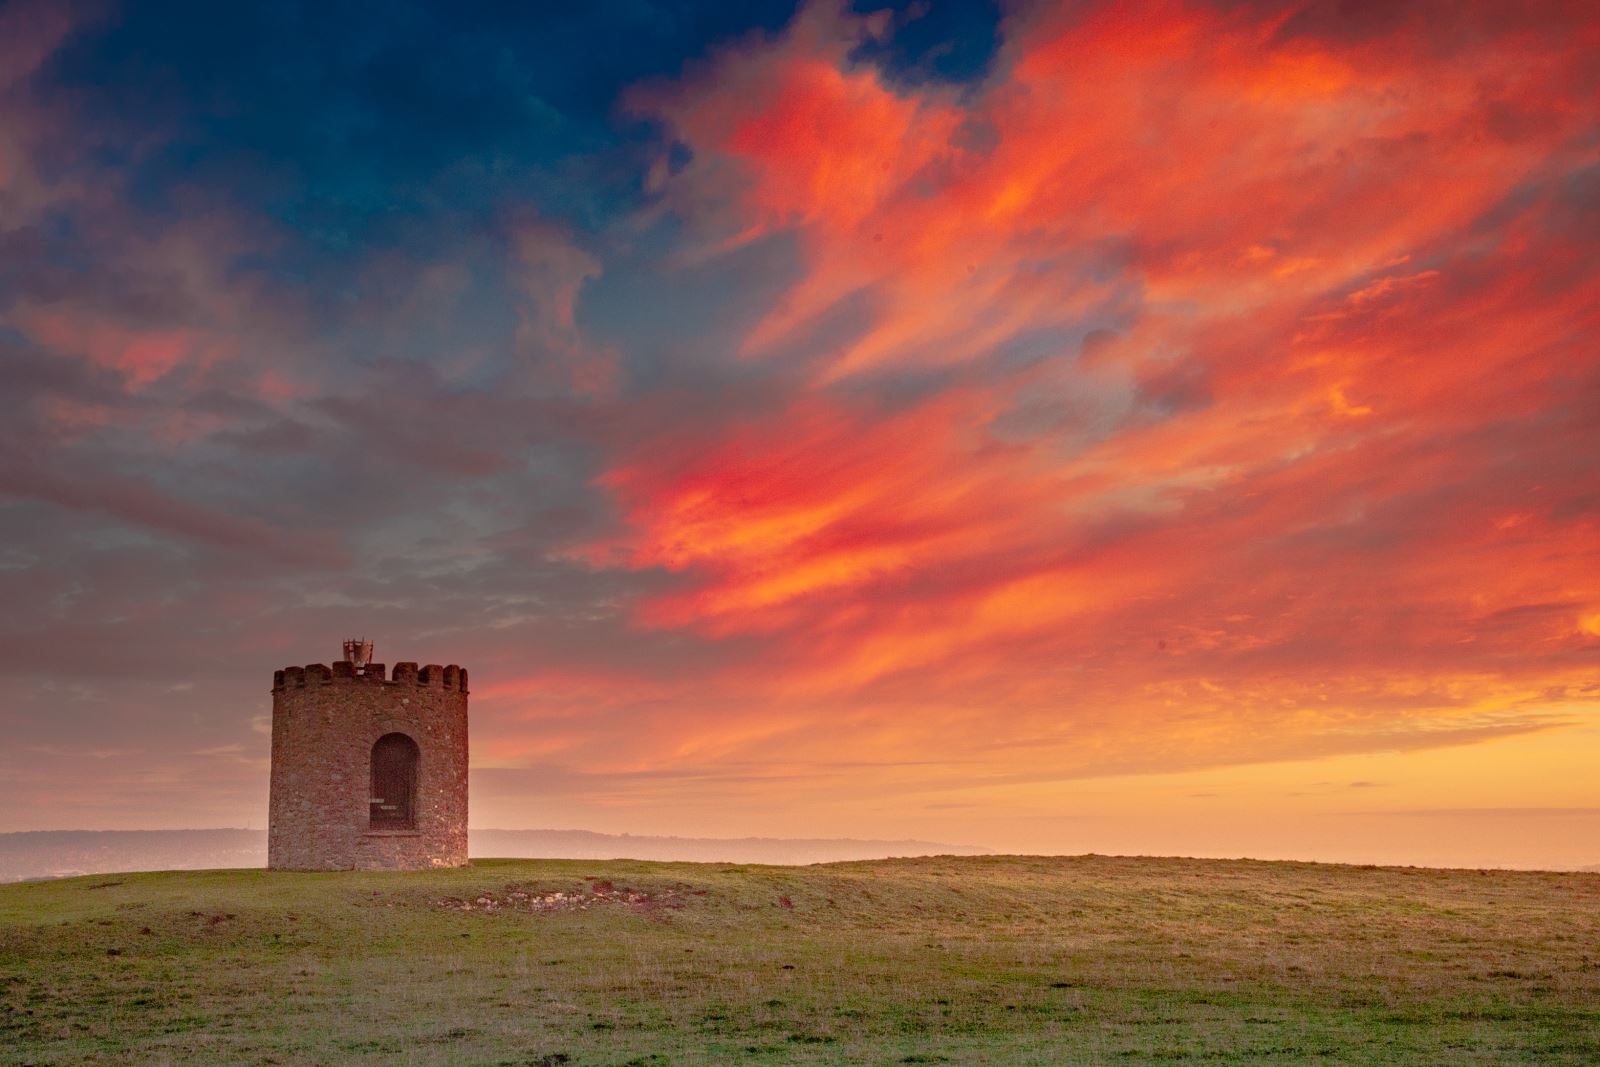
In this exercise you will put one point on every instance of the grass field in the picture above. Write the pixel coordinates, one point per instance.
(996, 960)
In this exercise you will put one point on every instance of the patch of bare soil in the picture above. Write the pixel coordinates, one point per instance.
(593, 893)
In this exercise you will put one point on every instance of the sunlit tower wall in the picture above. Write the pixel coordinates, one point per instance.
(368, 772)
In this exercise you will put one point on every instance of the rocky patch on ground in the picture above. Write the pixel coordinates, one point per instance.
(592, 893)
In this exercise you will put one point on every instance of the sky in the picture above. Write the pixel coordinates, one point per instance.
(1057, 427)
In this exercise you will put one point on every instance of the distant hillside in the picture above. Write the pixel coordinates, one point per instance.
(583, 844)
(63, 853)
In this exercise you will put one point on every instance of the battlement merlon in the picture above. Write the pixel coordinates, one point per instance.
(344, 672)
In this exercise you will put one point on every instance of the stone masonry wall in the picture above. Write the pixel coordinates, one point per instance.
(324, 724)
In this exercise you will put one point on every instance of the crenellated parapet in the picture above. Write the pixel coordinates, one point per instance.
(344, 672)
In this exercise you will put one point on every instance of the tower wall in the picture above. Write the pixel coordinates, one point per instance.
(324, 724)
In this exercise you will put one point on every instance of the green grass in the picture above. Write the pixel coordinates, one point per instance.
(942, 960)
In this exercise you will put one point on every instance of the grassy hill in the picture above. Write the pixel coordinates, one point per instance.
(994, 960)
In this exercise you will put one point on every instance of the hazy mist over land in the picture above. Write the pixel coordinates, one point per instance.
(64, 853)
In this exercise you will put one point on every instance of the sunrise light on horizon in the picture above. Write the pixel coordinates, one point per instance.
(1165, 428)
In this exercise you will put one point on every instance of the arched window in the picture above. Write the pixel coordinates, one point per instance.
(394, 783)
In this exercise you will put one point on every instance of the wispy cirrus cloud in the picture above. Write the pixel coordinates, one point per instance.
(1200, 350)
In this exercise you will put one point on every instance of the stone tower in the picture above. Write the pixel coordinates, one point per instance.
(368, 772)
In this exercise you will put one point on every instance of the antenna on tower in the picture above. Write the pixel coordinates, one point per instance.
(358, 651)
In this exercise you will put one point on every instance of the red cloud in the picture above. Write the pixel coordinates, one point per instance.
(1323, 459)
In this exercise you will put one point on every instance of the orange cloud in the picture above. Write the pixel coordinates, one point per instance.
(1221, 350)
